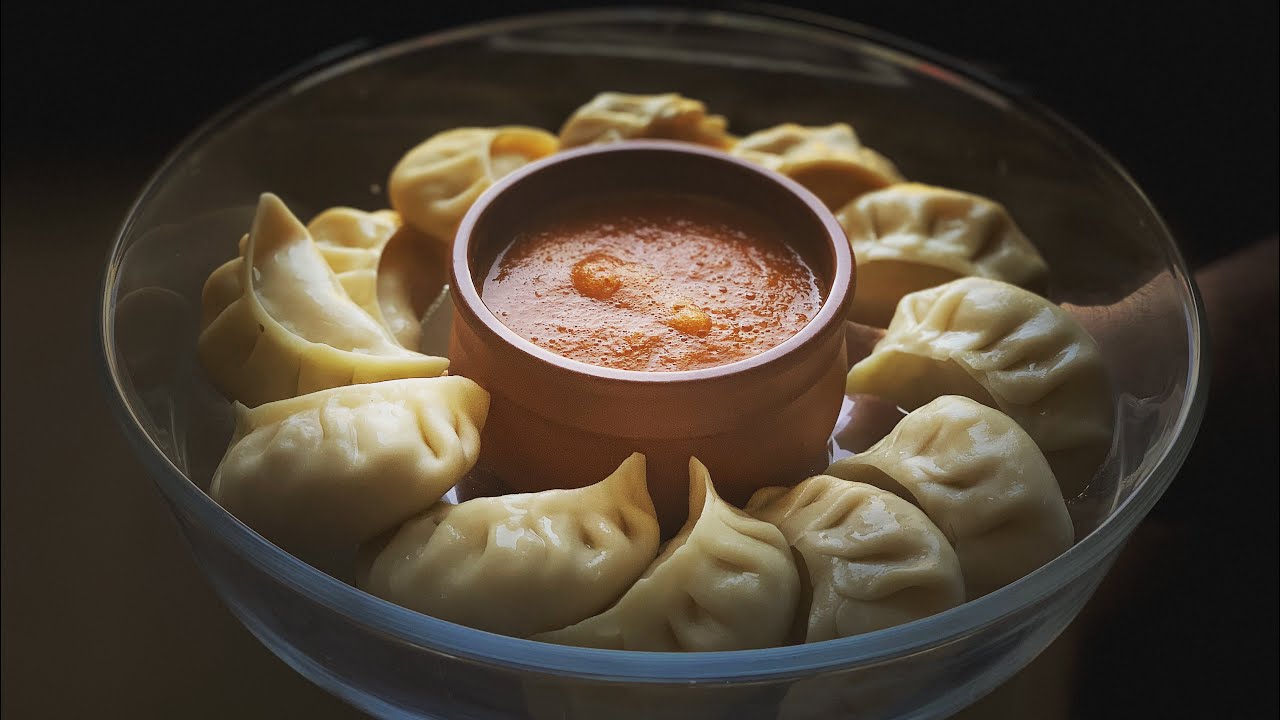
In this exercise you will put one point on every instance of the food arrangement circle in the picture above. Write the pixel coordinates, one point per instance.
(329, 319)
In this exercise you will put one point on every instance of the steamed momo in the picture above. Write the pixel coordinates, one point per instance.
(349, 240)
(1007, 348)
(613, 116)
(293, 329)
(334, 468)
(390, 269)
(874, 560)
(352, 239)
(436, 182)
(521, 564)
(981, 479)
(830, 161)
(911, 237)
(726, 581)
(412, 275)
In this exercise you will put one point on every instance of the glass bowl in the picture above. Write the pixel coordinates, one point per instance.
(329, 135)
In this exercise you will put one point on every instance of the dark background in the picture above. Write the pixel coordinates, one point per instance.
(104, 613)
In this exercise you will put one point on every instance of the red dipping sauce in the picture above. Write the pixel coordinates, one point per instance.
(652, 281)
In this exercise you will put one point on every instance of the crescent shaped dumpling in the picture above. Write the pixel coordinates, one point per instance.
(981, 479)
(334, 468)
(911, 237)
(436, 182)
(294, 329)
(614, 116)
(726, 581)
(391, 270)
(412, 275)
(522, 564)
(1007, 348)
(350, 241)
(874, 560)
(828, 160)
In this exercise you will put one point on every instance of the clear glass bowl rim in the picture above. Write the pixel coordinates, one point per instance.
(382, 617)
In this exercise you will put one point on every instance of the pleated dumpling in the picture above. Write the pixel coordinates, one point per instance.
(334, 468)
(412, 277)
(829, 160)
(294, 329)
(910, 237)
(981, 479)
(436, 182)
(726, 581)
(614, 116)
(349, 240)
(1007, 348)
(874, 560)
(522, 564)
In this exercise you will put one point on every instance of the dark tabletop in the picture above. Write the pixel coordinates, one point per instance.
(105, 613)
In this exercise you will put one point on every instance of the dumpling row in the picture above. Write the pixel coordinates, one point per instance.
(582, 567)
(331, 470)
(955, 503)
(905, 236)
(1006, 348)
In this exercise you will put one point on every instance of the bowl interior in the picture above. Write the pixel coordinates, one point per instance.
(331, 137)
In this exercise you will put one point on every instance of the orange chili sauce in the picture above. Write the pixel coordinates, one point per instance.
(652, 281)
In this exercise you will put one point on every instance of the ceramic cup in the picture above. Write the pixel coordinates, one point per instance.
(561, 423)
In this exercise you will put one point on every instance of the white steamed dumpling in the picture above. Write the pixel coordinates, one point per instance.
(332, 469)
(1007, 348)
(294, 329)
(726, 581)
(873, 559)
(436, 182)
(350, 241)
(522, 564)
(830, 160)
(412, 277)
(614, 116)
(911, 237)
(981, 479)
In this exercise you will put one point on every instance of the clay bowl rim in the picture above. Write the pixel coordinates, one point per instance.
(834, 309)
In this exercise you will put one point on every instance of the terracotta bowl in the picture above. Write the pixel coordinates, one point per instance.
(560, 423)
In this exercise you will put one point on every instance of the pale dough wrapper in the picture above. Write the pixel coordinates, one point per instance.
(350, 241)
(391, 270)
(829, 160)
(412, 276)
(435, 183)
(522, 564)
(874, 560)
(1007, 348)
(334, 468)
(981, 479)
(614, 116)
(911, 237)
(726, 581)
(294, 329)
